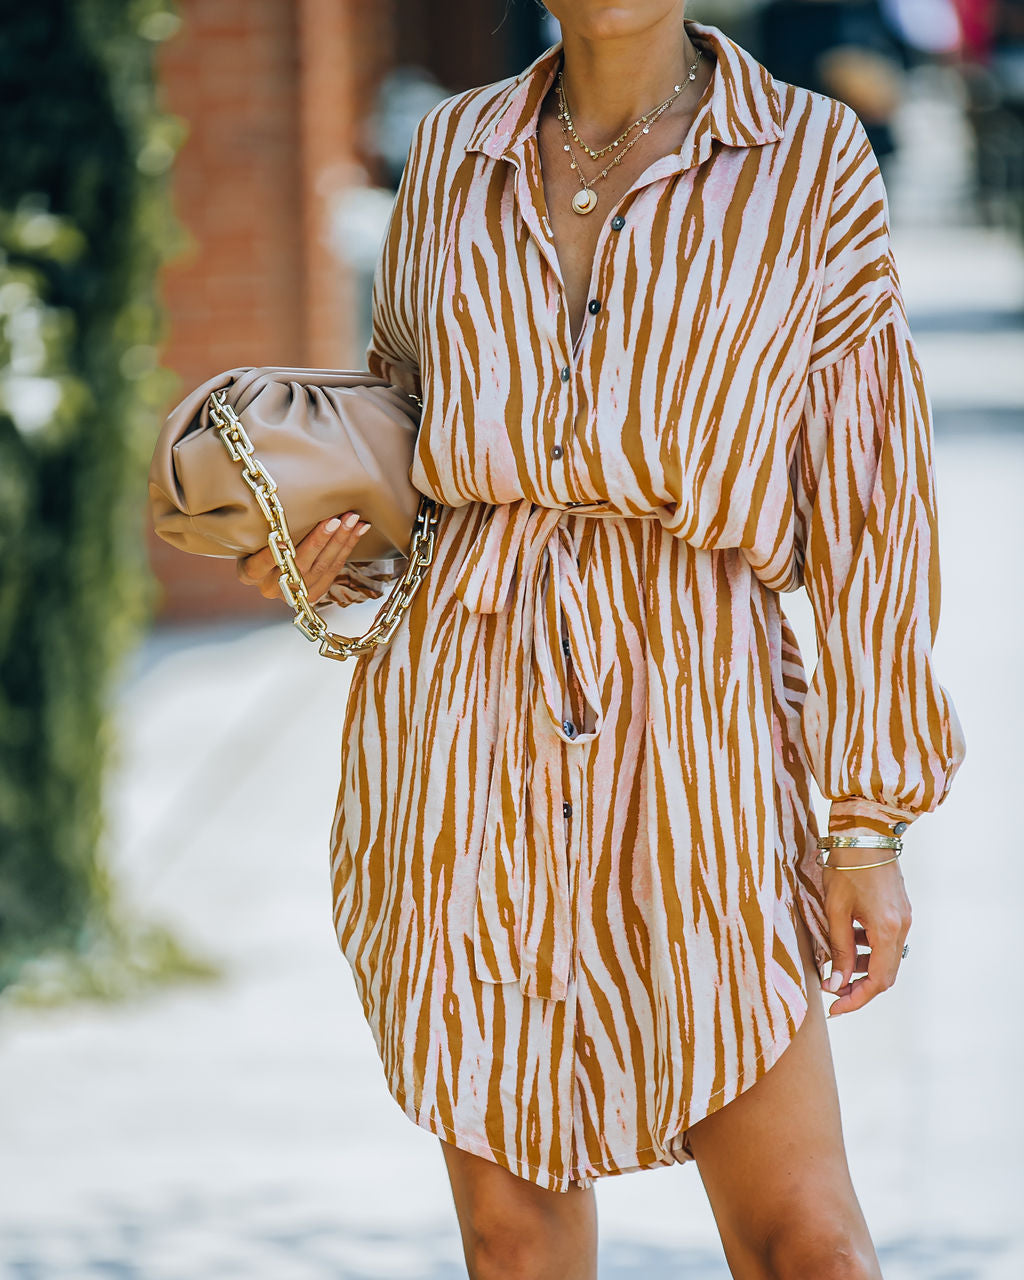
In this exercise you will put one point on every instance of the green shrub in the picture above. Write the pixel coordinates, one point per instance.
(85, 222)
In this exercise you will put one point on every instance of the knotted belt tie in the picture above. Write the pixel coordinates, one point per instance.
(523, 921)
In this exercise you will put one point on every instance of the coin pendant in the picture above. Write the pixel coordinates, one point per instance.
(584, 200)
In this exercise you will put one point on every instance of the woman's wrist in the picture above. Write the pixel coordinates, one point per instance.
(854, 851)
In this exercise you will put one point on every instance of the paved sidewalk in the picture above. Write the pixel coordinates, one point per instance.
(245, 1129)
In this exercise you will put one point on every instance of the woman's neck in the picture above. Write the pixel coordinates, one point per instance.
(609, 83)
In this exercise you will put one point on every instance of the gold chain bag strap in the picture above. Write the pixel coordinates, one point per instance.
(282, 548)
(251, 443)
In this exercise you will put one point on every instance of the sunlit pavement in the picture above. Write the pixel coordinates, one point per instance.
(245, 1129)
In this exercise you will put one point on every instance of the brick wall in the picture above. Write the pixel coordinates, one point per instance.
(266, 86)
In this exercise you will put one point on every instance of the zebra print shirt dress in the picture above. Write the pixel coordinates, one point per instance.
(575, 823)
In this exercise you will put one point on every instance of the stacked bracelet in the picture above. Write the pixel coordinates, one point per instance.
(865, 842)
(859, 842)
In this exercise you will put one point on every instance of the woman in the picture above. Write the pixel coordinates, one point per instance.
(666, 376)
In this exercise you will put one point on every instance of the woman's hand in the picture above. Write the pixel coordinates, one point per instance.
(320, 557)
(876, 897)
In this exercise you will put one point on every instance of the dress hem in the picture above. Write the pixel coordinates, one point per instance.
(585, 1176)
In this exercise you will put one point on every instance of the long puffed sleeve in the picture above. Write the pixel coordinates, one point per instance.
(882, 735)
(393, 350)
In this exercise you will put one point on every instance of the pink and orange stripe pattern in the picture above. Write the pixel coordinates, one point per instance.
(574, 824)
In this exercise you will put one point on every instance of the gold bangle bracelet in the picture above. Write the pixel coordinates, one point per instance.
(856, 866)
(860, 842)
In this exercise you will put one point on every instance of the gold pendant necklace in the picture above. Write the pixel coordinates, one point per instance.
(585, 200)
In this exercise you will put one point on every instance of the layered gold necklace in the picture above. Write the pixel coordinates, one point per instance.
(586, 198)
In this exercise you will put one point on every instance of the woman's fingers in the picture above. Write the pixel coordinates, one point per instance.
(860, 965)
(843, 945)
(319, 557)
(885, 938)
(254, 569)
(332, 557)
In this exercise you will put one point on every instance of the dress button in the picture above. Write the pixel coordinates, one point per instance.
(568, 728)
(618, 222)
(899, 828)
(566, 809)
(565, 374)
(556, 451)
(594, 306)
(566, 646)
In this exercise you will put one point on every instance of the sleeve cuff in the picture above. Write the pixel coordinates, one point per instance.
(857, 813)
(364, 581)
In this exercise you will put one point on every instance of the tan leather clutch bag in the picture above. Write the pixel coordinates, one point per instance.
(256, 457)
(332, 440)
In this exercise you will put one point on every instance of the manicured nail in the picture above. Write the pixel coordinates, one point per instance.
(833, 982)
(351, 520)
(362, 528)
(333, 524)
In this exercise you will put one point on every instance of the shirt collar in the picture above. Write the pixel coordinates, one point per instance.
(744, 108)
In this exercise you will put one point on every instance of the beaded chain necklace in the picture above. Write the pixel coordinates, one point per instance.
(586, 198)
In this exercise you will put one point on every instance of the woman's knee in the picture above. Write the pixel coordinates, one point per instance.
(516, 1241)
(509, 1243)
(512, 1228)
(826, 1244)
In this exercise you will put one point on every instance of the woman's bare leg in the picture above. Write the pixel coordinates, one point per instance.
(773, 1163)
(513, 1229)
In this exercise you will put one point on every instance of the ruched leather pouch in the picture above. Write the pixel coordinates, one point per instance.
(332, 440)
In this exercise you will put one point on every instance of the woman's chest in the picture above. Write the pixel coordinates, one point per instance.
(672, 333)
(573, 236)
(574, 244)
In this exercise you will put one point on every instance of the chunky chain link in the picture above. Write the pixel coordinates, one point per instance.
(282, 548)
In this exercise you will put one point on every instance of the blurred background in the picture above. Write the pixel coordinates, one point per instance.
(187, 1085)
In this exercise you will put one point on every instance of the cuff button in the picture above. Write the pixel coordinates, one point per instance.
(899, 828)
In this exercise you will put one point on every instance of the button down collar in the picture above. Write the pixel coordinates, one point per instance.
(744, 108)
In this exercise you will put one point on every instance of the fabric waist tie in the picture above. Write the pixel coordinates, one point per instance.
(523, 920)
